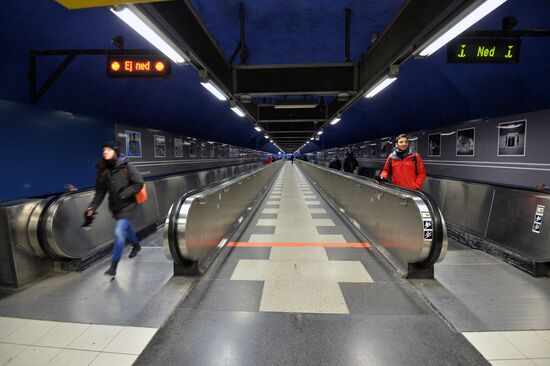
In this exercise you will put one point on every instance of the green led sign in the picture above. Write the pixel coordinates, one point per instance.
(483, 51)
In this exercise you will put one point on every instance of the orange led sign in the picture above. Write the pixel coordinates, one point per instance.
(137, 66)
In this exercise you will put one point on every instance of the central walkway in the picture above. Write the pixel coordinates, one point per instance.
(298, 288)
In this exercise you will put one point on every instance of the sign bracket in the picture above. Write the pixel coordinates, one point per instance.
(35, 95)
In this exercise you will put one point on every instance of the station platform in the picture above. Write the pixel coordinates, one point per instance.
(297, 287)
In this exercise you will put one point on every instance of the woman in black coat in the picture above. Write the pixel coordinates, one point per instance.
(122, 181)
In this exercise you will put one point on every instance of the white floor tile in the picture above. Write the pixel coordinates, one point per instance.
(131, 340)
(10, 325)
(10, 351)
(270, 210)
(263, 270)
(113, 359)
(35, 356)
(303, 297)
(71, 357)
(62, 335)
(298, 254)
(335, 271)
(95, 338)
(529, 343)
(313, 202)
(30, 332)
(316, 210)
(493, 346)
(544, 334)
(541, 361)
(273, 202)
(512, 363)
(267, 222)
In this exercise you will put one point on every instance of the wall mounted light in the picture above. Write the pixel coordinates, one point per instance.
(459, 24)
(257, 128)
(139, 22)
(320, 133)
(384, 82)
(266, 136)
(235, 108)
(211, 86)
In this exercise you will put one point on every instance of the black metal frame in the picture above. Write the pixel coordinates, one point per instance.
(35, 95)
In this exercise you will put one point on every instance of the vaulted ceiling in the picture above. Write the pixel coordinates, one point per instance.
(295, 55)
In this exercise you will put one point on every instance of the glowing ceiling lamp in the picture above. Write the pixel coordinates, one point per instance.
(133, 17)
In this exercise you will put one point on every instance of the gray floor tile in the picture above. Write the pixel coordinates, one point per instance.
(228, 338)
(225, 295)
(381, 340)
(382, 299)
(377, 266)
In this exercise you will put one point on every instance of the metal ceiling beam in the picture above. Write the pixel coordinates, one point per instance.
(302, 79)
(290, 131)
(178, 20)
(416, 21)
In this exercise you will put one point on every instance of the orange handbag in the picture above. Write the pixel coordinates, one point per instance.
(141, 196)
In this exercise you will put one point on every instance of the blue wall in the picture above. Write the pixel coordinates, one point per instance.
(41, 151)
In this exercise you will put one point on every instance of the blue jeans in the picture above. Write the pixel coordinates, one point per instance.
(123, 231)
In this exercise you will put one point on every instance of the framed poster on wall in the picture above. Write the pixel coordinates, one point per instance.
(466, 142)
(178, 147)
(372, 150)
(434, 144)
(159, 146)
(413, 144)
(512, 138)
(133, 144)
(385, 147)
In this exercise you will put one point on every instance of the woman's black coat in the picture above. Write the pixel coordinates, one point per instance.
(122, 181)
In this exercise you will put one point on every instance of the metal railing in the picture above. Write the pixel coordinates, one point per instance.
(199, 223)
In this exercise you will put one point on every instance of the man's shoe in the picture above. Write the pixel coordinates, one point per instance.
(135, 249)
(112, 270)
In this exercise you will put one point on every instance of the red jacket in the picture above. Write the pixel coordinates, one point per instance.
(405, 172)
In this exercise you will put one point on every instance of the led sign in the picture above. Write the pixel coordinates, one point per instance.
(483, 50)
(137, 66)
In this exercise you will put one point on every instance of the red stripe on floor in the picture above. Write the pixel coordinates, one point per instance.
(300, 244)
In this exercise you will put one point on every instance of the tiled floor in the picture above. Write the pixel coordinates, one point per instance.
(38, 342)
(513, 348)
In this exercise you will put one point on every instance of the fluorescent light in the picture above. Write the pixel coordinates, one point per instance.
(238, 111)
(381, 85)
(266, 136)
(462, 22)
(446, 134)
(335, 120)
(212, 88)
(271, 141)
(257, 128)
(147, 30)
(311, 138)
(320, 133)
(296, 104)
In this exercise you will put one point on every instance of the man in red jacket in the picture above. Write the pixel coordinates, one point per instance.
(405, 168)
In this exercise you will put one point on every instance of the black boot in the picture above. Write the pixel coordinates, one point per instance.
(112, 270)
(135, 249)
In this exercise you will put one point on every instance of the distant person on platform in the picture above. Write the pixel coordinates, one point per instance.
(403, 167)
(350, 163)
(335, 163)
(292, 159)
(123, 181)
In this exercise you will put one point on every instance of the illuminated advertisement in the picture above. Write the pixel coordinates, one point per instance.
(133, 144)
